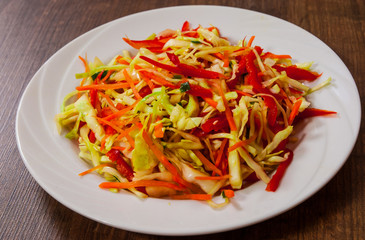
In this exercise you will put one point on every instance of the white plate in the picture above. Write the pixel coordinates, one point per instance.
(53, 160)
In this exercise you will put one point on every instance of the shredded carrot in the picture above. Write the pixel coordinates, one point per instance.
(103, 86)
(196, 196)
(225, 59)
(294, 111)
(212, 177)
(103, 121)
(107, 75)
(228, 193)
(120, 112)
(211, 102)
(228, 111)
(85, 63)
(242, 143)
(158, 133)
(272, 55)
(120, 60)
(207, 163)
(109, 101)
(95, 168)
(140, 183)
(157, 79)
(102, 142)
(250, 41)
(146, 79)
(162, 158)
(128, 137)
(131, 84)
(119, 148)
(243, 93)
(220, 152)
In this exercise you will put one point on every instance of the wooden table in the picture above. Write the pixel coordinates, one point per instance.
(32, 31)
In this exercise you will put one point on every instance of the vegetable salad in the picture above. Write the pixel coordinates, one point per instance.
(189, 116)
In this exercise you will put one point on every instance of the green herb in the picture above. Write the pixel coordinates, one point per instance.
(195, 41)
(184, 87)
(95, 75)
(224, 195)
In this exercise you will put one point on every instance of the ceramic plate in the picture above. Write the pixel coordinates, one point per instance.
(53, 160)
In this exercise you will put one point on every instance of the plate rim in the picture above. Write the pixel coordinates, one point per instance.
(64, 202)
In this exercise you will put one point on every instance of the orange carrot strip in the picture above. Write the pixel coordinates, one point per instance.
(158, 79)
(243, 93)
(120, 112)
(103, 86)
(207, 163)
(220, 152)
(107, 75)
(228, 112)
(95, 168)
(272, 55)
(120, 60)
(219, 55)
(225, 59)
(118, 129)
(242, 143)
(140, 183)
(211, 102)
(119, 148)
(212, 177)
(158, 133)
(146, 79)
(250, 41)
(294, 111)
(131, 84)
(163, 159)
(103, 121)
(228, 193)
(102, 142)
(196, 196)
(85, 63)
(128, 137)
(109, 101)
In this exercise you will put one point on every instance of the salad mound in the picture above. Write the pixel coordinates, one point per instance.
(190, 116)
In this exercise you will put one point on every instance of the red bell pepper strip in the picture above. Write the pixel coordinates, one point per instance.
(184, 69)
(185, 27)
(173, 58)
(297, 73)
(109, 130)
(253, 78)
(275, 180)
(161, 65)
(272, 55)
(241, 69)
(199, 91)
(122, 166)
(191, 71)
(272, 110)
(294, 112)
(195, 90)
(314, 112)
(94, 97)
(145, 91)
(216, 123)
(137, 44)
(92, 137)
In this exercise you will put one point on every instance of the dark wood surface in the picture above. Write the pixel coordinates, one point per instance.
(32, 31)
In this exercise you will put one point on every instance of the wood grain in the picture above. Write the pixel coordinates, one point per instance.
(32, 31)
